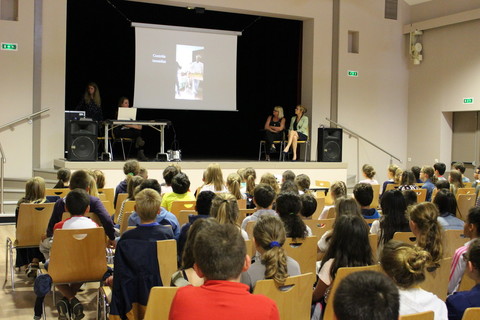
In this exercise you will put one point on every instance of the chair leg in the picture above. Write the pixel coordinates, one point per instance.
(280, 151)
(260, 150)
(306, 149)
(9, 259)
(123, 149)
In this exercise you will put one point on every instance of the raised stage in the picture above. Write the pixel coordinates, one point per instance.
(113, 170)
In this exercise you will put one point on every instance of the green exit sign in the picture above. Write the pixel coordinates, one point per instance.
(352, 73)
(467, 100)
(9, 46)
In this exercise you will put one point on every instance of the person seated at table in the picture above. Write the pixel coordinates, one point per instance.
(131, 131)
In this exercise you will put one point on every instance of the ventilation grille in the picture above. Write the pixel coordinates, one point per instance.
(391, 8)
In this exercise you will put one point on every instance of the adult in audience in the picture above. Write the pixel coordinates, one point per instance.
(368, 173)
(363, 193)
(460, 301)
(426, 175)
(447, 206)
(337, 190)
(274, 130)
(298, 130)
(406, 265)
(272, 261)
(63, 176)
(440, 168)
(263, 198)
(225, 210)
(130, 169)
(180, 187)
(91, 103)
(366, 295)
(288, 208)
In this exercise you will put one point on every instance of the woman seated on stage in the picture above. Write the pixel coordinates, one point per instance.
(131, 131)
(298, 130)
(274, 127)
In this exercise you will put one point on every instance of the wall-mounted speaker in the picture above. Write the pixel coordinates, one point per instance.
(82, 140)
(329, 147)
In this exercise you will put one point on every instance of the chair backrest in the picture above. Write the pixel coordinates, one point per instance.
(129, 206)
(373, 240)
(304, 251)
(328, 199)
(61, 192)
(436, 281)
(250, 247)
(468, 184)
(120, 198)
(339, 276)
(320, 206)
(331, 214)
(471, 314)
(427, 315)
(466, 283)
(78, 255)
(391, 186)
(421, 195)
(322, 183)
(465, 191)
(434, 193)
(167, 259)
(124, 223)
(407, 237)
(249, 228)
(180, 205)
(32, 222)
(243, 214)
(452, 240)
(376, 196)
(90, 215)
(319, 227)
(183, 216)
(293, 298)
(242, 203)
(159, 303)
(419, 185)
(102, 197)
(320, 194)
(109, 193)
(464, 203)
(108, 206)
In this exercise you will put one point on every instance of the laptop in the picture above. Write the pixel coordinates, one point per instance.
(127, 114)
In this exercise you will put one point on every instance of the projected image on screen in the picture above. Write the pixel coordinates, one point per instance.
(190, 71)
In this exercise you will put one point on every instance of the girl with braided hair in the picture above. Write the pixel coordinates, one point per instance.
(272, 261)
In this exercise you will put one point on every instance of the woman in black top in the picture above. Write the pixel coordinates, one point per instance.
(274, 127)
(91, 103)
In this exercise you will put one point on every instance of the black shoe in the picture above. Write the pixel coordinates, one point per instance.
(141, 156)
(285, 155)
(273, 150)
(76, 309)
(62, 307)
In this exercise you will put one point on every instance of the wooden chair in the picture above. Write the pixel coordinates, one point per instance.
(61, 192)
(243, 214)
(159, 303)
(242, 203)
(376, 196)
(124, 223)
(341, 274)
(90, 215)
(464, 203)
(320, 194)
(304, 251)
(468, 184)
(167, 259)
(293, 298)
(120, 198)
(178, 206)
(434, 193)
(471, 314)
(370, 221)
(436, 281)
(109, 207)
(452, 240)
(77, 255)
(407, 237)
(251, 250)
(465, 191)
(391, 186)
(183, 216)
(466, 283)
(421, 195)
(329, 199)
(322, 183)
(102, 197)
(249, 228)
(331, 214)
(419, 185)
(31, 224)
(373, 240)
(109, 193)
(320, 206)
(319, 227)
(427, 315)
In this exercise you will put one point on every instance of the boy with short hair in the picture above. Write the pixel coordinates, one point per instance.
(263, 196)
(288, 175)
(220, 257)
(180, 187)
(366, 295)
(363, 193)
(309, 205)
(461, 167)
(440, 168)
(77, 203)
(168, 174)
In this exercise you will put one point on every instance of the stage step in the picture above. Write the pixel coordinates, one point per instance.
(48, 174)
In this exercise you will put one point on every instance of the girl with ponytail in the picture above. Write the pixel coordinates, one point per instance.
(233, 186)
(272, 261)
(427, 229)
(406, 265)
(288, 208)
(225, 210)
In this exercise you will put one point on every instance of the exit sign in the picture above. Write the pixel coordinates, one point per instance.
(467, 100)
(9, 46)
(352, 73)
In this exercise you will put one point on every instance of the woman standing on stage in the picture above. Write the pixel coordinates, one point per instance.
(274, 127)
(298, 130)
(91, 103)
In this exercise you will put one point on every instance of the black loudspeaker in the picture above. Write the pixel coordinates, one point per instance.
(329, 148)
(82, 140)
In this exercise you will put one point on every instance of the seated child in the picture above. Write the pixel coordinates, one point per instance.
(363, 193)
(180, 186)
(221, 295)
(459, 301)
(263, 197)
(366, 295)
(288, 209)
(309, 205)
(130, 168)
(77, 203)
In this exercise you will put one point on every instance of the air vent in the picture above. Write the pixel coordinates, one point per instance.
(391, 8)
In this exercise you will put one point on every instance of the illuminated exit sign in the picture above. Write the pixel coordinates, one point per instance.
(467, 100)
(9, 46)
(352, 73)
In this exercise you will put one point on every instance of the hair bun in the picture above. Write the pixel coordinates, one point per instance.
(416, 260)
